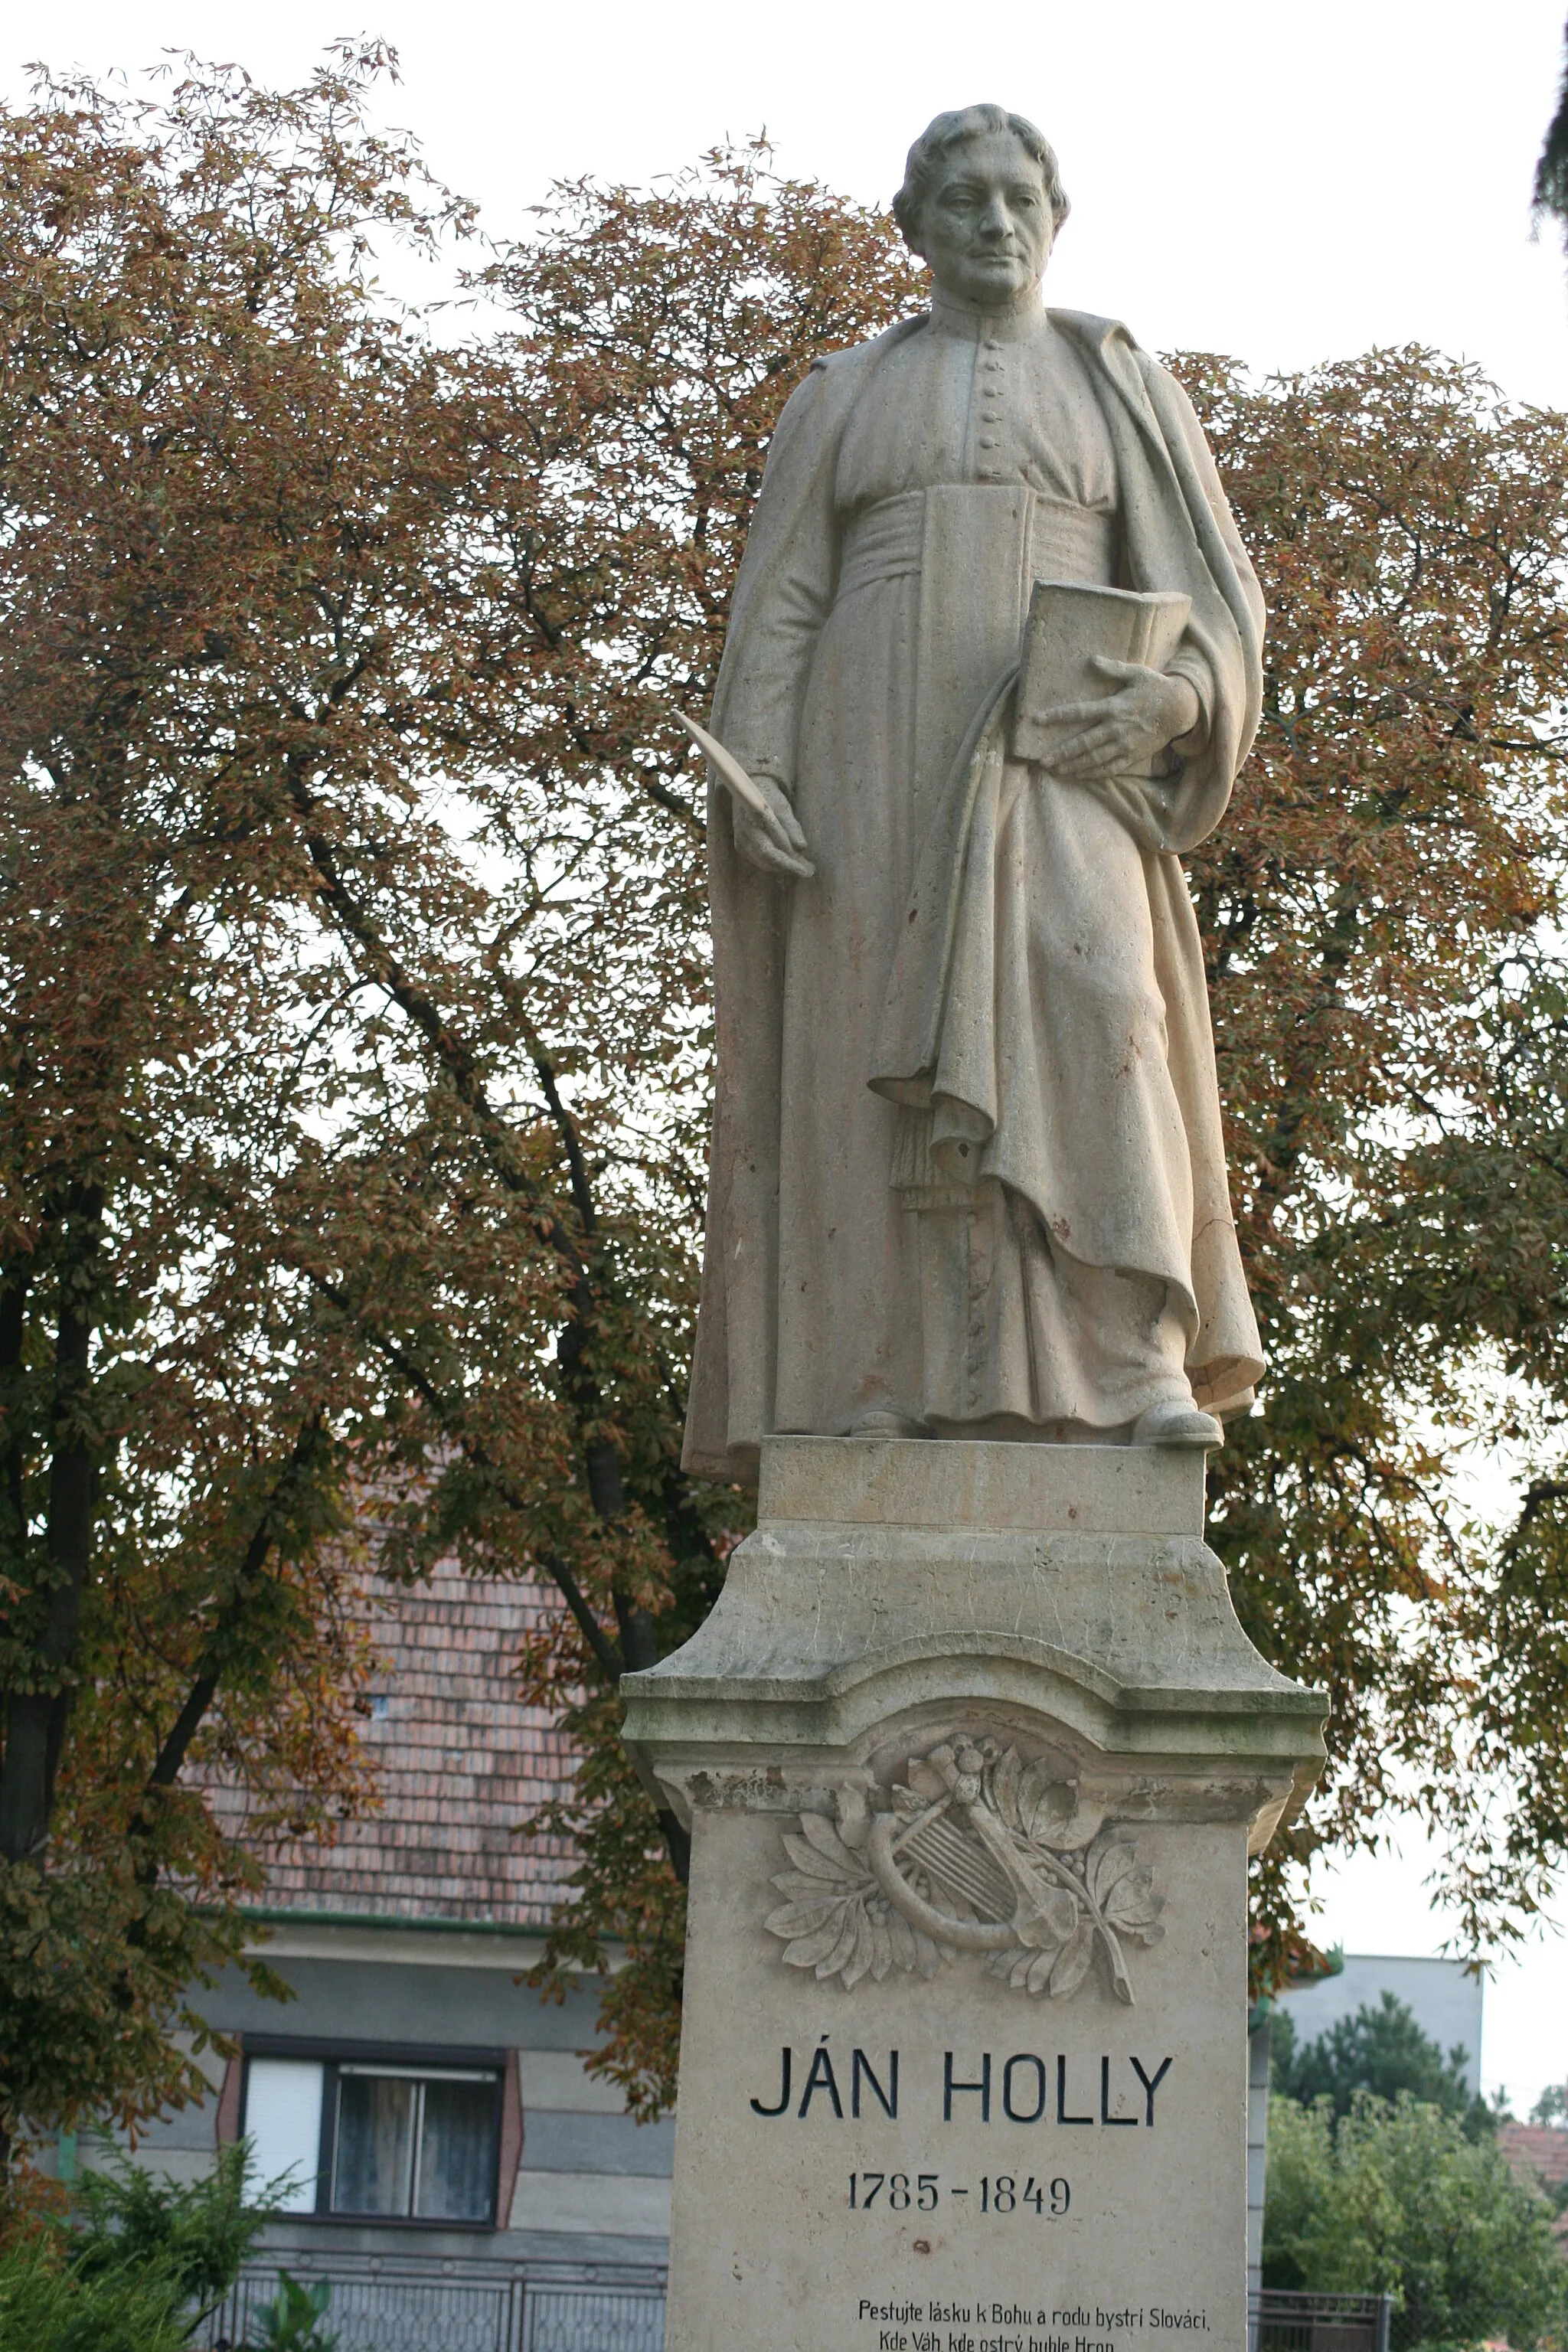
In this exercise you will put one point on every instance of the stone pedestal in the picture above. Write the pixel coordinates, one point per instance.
(973, 1751)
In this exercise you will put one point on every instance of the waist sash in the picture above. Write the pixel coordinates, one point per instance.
(1063, 542)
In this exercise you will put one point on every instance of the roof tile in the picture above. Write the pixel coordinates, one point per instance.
(461, 1762)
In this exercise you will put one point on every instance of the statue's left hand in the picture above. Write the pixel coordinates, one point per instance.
(1121, 733)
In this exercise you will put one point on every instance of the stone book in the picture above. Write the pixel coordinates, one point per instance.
(1070, 624)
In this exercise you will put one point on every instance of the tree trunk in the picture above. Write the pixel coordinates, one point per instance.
(35, 1719)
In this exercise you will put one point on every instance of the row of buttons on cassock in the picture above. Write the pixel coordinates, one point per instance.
(991, 394)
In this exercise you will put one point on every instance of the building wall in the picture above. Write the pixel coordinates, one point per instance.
(1260, 2041)
(591, 2184)
(1445, 2001)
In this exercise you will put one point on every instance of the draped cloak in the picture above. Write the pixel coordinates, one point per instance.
(978, 1041)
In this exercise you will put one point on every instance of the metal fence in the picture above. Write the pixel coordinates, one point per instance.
(1281, 2322)
(398, 2303)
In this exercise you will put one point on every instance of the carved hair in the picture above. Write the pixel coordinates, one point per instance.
(948, 131)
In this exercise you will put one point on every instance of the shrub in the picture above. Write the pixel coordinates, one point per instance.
(1393, 2199)
(134, 2263)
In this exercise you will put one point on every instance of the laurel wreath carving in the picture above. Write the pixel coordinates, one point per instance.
(979, 1851)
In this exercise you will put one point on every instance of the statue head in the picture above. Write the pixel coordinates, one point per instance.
(981, 203)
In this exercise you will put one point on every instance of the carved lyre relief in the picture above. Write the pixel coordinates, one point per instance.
(979, 1851)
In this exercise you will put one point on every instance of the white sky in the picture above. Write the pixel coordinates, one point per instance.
(1280, 183)
(1283, 184)
(1378, 1904)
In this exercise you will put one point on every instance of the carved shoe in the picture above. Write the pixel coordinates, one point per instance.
(884, 1422)
(1177, 1421)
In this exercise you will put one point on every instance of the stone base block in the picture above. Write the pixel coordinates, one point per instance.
(973, 1751)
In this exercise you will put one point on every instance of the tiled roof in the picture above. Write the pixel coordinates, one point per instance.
(1535, 2148)
(460, 1762)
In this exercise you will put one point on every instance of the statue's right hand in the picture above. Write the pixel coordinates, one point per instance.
(775, 844)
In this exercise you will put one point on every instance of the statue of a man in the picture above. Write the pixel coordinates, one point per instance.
(968, 1175)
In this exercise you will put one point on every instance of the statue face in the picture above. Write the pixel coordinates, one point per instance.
(986, 227)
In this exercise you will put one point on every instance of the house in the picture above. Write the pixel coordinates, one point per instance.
(1538, 2153)
(1443, 1996)
(455, 2171)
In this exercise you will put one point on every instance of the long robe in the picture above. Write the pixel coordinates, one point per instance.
(965, 1076)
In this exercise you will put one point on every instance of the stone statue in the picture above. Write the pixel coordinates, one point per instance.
(968, 1175)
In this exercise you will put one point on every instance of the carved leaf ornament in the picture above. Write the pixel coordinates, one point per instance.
(979, 1853)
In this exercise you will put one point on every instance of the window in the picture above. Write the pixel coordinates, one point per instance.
(400, 2137)
(283, 2118)
(411, 2143)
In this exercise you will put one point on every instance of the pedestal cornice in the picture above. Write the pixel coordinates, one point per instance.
(894, 1579)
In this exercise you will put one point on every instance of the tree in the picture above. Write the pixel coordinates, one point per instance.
(1378, 910)
(352, 1007)
(1396, 2200)
(1551, 2106)
(173, 1488)
(356, 1020)
(1380, 2050)
(1551, 164)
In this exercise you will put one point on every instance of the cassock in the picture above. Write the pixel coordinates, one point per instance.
(967, 1163)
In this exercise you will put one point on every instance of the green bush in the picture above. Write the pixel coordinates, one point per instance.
(1393, 2199)
(48, 2305)
(292, 2321)
(132, 2220)
(135, 2264)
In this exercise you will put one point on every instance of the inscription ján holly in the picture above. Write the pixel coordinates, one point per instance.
(1023, 2087)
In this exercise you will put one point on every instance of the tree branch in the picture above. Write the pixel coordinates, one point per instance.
(172, 1755)
(419, 1380)
(610, 1659)
(460, 1062)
